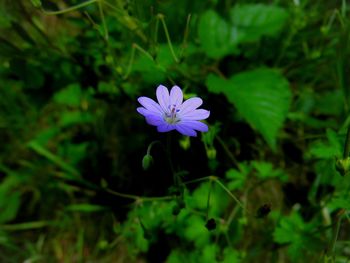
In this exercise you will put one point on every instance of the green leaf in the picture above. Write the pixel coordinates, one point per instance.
(154, 71)
(326, 150)
(339, 203)
(262, 96)
(217, 37)
(70, 96)
(9, 206)
(300, 236)
(199, 198)
(256, 20)
(237, 179)
(266, 170)
(71, 118)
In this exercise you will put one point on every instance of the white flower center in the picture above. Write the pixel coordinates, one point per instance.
(170, 116)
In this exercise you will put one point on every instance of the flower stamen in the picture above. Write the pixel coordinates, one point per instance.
(170, 117)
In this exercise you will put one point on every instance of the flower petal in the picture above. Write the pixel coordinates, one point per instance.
(183, 129)
(143, 111)
(176, 96)
(165, 127)
(190, 105)
(163, 97)
(197, 115)
(195, 125)
(150, 104)
(154, 120)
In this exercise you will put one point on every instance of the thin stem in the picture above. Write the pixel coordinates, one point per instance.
(336, 234)
(186, 33)
(228, 152)
(136, 46)
(141, 198)
(161, 17)
(106, 36)
(69, 9)
(347, 144)
(168, 151)
(130, 62)
(199, 180)
(230, 194)
(156, 31)
(151, 145)
(208, 201)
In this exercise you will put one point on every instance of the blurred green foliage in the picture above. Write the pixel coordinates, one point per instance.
(275, 76)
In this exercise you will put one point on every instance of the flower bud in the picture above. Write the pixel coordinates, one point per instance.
(211, 153)
(343, 166)
(147, 162)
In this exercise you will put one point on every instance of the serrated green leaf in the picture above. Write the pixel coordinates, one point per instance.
(299, 236)
(236, 179)
(218, 38)
(262, 96)
(265, 170)
(257, 20)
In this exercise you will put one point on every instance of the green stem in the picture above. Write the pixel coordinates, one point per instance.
(136, 46)
(228, 152)
(208, 201)
(161, 17)
(186, 33)
(106, 36)
(335, 235)
(141, 198)
(347, 144)
(151, 145)
(69, 9)
(199, 180)
(25, 226)
(168, 151)
(130, 63)
(229, 193)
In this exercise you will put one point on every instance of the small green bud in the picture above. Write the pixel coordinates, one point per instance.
(147, 161)
(211, 153)
(185, 143)
(343, 166)
(36, 3)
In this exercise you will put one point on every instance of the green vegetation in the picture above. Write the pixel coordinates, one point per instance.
(83, 177)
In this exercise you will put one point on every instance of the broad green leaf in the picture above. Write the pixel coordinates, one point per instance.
(217, 37)
(256, 20)
(262, 96)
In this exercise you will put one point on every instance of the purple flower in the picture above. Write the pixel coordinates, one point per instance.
(170, 113)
